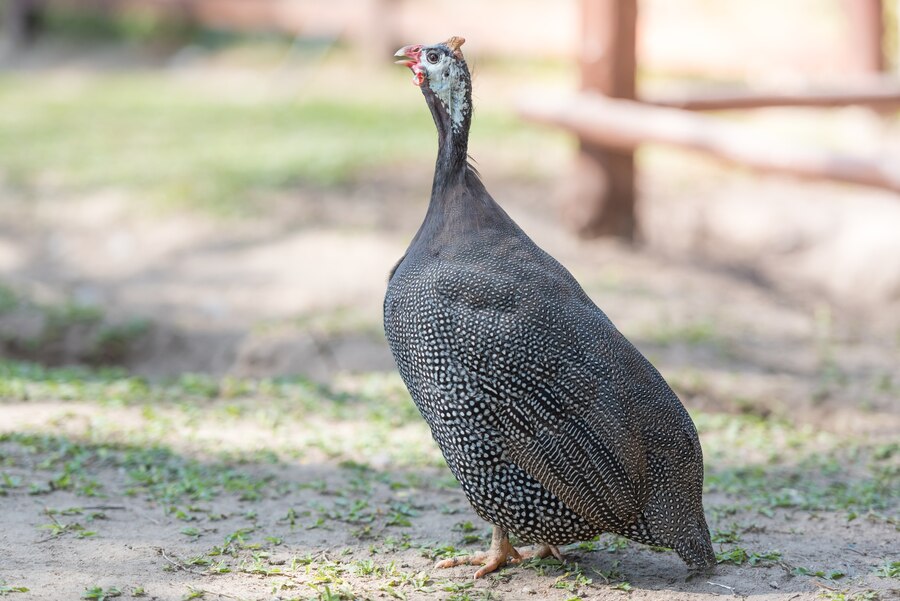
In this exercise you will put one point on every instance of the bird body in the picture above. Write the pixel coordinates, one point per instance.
(556, 427)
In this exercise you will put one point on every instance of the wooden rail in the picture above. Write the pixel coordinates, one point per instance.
(881, 94)
(609, 126)
(624, 125)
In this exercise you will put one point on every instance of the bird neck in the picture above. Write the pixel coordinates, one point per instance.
(459, 202)
(451, 110)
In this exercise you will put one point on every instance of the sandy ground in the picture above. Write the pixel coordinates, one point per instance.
(298, 287)
(299, 291)
(745, 295)
(140, 546)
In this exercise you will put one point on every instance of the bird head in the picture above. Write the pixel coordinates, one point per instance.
(440, 70)
(432, 63)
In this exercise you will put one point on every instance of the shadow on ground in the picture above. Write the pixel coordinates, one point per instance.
(249, 488)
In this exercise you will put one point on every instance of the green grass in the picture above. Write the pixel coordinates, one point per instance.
(225, 398)
(696, 333)
(889, 570)
(774, 464)
(98, 593)
(116, 437)
(96, 340)
(297, 414)
(769, 463)
(131, 26)
(9, 588)
(177, 143)
(9, 300)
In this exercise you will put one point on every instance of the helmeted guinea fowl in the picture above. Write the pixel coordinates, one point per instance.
(556, 427)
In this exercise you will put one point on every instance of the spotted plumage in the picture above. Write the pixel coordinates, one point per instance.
(556, 427)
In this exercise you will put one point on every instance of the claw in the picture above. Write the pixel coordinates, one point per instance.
(497, 556)
(500, 554)
(489, 567)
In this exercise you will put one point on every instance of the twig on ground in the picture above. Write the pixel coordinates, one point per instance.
(823, 585)
(146, 516)
(44, 540)
(209, 592)
(56, 522)
(176, 563)
(730, 588)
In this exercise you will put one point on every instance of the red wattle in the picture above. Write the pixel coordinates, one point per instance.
(410, 58)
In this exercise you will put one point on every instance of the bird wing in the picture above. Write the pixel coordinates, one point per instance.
(560, 379)
(573, 435)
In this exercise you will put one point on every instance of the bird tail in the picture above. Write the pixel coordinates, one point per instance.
(694, 546)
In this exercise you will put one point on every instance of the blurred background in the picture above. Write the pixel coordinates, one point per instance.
(221, 186)
(200, 201)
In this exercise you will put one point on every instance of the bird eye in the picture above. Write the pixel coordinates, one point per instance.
(432, 57)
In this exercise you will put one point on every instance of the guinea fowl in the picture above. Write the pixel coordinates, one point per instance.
(556, 427)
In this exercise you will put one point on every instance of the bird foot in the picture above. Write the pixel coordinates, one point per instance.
(489, 561)
(500, 554)
(542, 552)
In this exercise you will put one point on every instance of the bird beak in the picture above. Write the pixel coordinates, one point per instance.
(410, 55)
(410, 58)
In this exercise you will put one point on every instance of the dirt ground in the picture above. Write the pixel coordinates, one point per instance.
(143, 544)
(258, 299)
(257, 442)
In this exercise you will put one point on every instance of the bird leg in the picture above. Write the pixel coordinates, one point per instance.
(543, 551)
(498, 555)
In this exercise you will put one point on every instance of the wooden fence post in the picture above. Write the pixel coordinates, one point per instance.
(21, 21)
(602, 195)
(867, 26)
